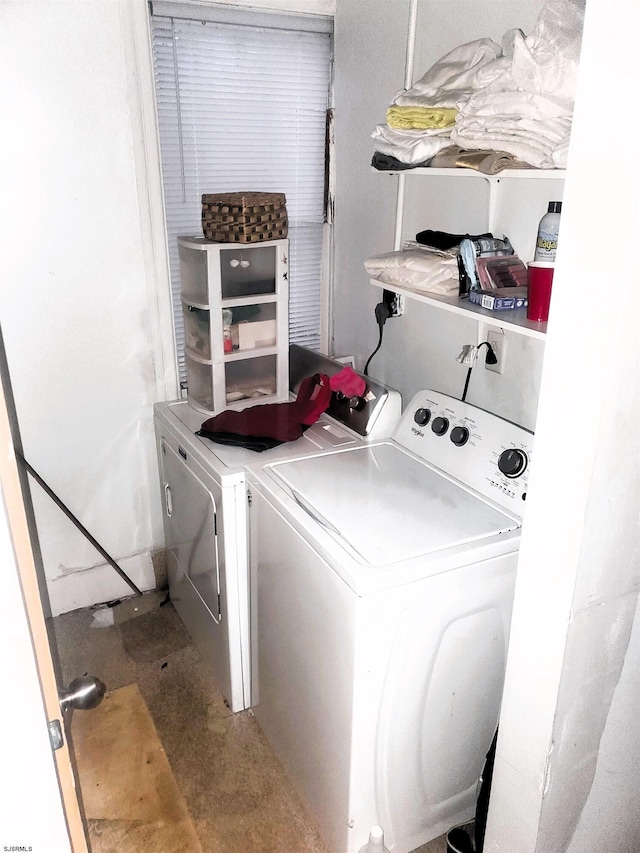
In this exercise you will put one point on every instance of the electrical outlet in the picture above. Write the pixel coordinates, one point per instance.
(395, 303)
(498, 341)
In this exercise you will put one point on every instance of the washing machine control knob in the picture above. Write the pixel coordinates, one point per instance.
(356, 403)
(440, 425)
(512, 462)
(459, 436)
(422, 417)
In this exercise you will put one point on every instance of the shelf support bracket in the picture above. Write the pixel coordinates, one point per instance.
(493, 197)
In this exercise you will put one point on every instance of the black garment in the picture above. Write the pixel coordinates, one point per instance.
(445, 241)
(482, 807)
(388, 163)
(458, 839)
(251, 442)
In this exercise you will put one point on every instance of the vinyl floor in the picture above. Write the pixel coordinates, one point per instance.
(164, 766)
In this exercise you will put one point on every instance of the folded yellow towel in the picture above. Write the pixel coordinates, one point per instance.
(421, 118)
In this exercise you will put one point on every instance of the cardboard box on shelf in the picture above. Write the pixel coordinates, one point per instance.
(261, 333)
(501, 299)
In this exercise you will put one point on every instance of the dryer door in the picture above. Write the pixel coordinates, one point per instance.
(190, 531)
(202, 570)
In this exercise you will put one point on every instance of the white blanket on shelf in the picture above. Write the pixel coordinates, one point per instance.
(451, 79)
(523, 103)
(422, 270)
(528, 139)
(516, 97)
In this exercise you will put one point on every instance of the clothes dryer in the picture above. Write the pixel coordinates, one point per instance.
(205, 512)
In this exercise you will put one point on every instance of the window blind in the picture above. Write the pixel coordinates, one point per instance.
(244, 108)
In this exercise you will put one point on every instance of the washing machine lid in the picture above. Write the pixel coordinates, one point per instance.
(386, 505)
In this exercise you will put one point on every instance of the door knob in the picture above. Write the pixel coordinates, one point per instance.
(84, 693)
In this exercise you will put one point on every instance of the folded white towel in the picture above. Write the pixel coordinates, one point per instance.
(531, 140)
(410, 146)
(421, 270)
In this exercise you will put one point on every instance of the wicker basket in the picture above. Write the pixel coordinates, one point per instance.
(248, 217)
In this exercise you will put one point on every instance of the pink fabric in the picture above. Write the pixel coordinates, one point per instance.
(348, 381)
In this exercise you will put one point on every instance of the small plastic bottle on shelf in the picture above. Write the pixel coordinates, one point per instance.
(227, 317)
(547, 239)
(375, 844)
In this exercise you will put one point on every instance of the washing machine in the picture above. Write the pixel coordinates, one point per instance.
(382, 584)
(206, 512)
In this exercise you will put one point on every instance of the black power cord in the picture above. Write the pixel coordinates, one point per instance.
(382, 312)
(490, 358)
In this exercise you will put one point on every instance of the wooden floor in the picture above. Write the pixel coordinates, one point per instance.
(130, 796)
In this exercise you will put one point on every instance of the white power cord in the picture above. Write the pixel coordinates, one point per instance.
(468, 355)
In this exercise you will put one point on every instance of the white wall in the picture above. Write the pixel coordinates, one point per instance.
(370, 48)
(78, 309)
(573, 679)
(610, 815)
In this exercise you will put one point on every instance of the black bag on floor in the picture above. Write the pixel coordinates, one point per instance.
(482, 806)
(458, 839)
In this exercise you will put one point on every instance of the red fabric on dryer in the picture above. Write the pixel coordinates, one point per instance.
(278, 421)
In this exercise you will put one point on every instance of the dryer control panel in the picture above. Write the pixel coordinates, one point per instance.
(484, 452)
(370, 417)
